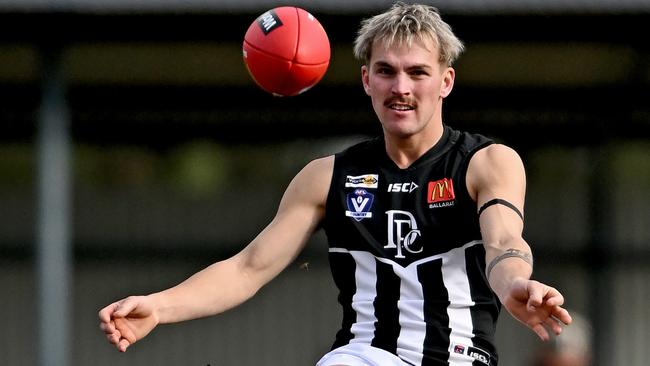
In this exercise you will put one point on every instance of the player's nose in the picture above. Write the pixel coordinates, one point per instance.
(401, 84)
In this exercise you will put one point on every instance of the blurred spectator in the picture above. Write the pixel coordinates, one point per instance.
(571, 348)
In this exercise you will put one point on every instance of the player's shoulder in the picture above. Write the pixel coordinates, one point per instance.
(321, 164)
(468, 143)
(492, 162)
(311, 185)
(319, 169)
(494, 167)
(495, 154)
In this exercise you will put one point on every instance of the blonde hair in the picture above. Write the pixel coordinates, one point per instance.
(401, 25)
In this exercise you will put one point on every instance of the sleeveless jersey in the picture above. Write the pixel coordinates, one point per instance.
(406, 254)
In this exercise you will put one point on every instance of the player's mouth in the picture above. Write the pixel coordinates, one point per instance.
(399, 105)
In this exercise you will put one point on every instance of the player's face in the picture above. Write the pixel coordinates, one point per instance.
(406, 86)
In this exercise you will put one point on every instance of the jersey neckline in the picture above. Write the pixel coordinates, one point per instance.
(445, 142)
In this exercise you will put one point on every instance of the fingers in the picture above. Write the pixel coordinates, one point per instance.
(125, 307)
(545, 312)
(113, 324)
(125, 330)
(106, 313)
(541, 332)
(107, 327)
(120, 334)
(553, 324)
(562, 315)
(553, 297)
(113, 338)
(120, 343)
(112, 333)
(535, 295)
(123, 345)
(540, 294)
(543, 327)
(117, 309)
(106, 323)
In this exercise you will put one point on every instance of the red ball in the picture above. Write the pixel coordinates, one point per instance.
(286, 51)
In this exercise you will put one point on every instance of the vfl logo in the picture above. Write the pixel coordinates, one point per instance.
(359, 204)
(362, 181)
(402, 232)
(402, 187)
(441, 193)
(269, 21)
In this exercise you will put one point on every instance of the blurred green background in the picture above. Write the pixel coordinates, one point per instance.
(177, 159)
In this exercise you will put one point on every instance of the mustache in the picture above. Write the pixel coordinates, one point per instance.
(400, 100)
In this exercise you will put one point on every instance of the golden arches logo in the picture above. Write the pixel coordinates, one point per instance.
(440, 190)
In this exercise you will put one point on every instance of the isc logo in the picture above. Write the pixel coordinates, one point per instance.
(402, 187)
(479, 357)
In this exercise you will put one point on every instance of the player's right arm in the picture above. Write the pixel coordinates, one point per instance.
(230, 282)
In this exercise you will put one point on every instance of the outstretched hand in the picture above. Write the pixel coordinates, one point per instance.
(128, 321)
(538, 306)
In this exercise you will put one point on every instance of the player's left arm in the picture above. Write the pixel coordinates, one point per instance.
(496, 180)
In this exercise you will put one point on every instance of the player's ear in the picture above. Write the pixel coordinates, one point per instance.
(447, 81)
(365, 78)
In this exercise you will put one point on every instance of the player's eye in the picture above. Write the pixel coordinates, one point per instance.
(384, 71)
(419, 72)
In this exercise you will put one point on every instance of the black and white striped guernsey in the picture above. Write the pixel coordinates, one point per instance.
(406, 254)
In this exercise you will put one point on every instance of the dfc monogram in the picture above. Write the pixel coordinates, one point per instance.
(402, 232)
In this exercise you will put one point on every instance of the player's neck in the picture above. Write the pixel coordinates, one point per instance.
(404, 151)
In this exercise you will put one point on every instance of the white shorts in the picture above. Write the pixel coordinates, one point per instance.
(359, 354)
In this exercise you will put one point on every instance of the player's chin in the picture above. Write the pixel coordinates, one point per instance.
(400, 129)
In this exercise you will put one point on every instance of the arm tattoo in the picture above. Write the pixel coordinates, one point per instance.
(510, 253)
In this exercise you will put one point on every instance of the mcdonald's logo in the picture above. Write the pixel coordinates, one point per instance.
(440, 191)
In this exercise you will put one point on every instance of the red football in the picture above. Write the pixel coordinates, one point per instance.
(286, 51)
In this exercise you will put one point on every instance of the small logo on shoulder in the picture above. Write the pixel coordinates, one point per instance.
(269, 21)
(441, 193)
(362, 181)
(359, 204)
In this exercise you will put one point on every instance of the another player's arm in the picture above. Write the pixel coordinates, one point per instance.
(497, 173)
(230, 282)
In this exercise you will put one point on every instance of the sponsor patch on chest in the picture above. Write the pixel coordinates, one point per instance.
(362, 181)
(440, 193)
